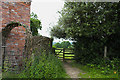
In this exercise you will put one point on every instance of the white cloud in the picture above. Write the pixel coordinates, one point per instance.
(47, 13)
(47, 0)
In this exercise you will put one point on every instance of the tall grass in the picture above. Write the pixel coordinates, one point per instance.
(44, 66)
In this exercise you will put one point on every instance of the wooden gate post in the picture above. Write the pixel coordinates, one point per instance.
(63, 54)
(51, 43)
(53, 51)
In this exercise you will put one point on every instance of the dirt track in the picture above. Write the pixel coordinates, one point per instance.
(71, 71)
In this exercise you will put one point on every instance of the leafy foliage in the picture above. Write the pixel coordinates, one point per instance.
(64, 44)
(88, 19)
(43, 66)
(58, 32)
(106, 66)
(35, 24)
(92, 26)
(57, 45)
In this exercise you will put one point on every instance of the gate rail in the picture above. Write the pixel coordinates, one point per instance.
(64, 53)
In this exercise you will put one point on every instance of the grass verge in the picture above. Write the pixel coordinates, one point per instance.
(87, 72)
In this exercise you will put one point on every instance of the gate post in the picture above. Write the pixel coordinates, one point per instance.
(63, 54)
(53, 51)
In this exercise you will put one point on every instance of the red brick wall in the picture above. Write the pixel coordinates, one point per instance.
(16, 12)
(0, 16)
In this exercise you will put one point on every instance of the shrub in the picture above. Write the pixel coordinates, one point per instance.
(43, 66)
(107, 66)
(86, 50)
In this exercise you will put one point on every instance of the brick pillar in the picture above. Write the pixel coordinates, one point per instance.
(0, 39)
(15, 12)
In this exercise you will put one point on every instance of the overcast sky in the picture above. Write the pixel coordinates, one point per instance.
(47, 11)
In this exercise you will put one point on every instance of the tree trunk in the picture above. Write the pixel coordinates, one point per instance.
(105, 51)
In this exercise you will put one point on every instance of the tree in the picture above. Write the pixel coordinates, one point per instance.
(58, 32)
(35, 24)
(57, 45)
(65, 44)
(95, 23)
(87, 19)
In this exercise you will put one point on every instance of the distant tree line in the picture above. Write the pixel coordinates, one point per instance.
(64, 44)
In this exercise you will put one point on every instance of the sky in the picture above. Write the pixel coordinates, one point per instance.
(47, 11)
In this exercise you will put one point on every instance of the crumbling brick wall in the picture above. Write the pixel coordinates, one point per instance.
(38, 45)
(42, 43)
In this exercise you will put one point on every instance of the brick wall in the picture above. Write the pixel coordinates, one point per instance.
(15, 45)
(0, 16)
(15, 12)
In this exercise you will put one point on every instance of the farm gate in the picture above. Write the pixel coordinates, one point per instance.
(64, 53)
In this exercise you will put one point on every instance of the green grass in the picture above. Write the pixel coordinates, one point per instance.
(87, 72)
(9, 75)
